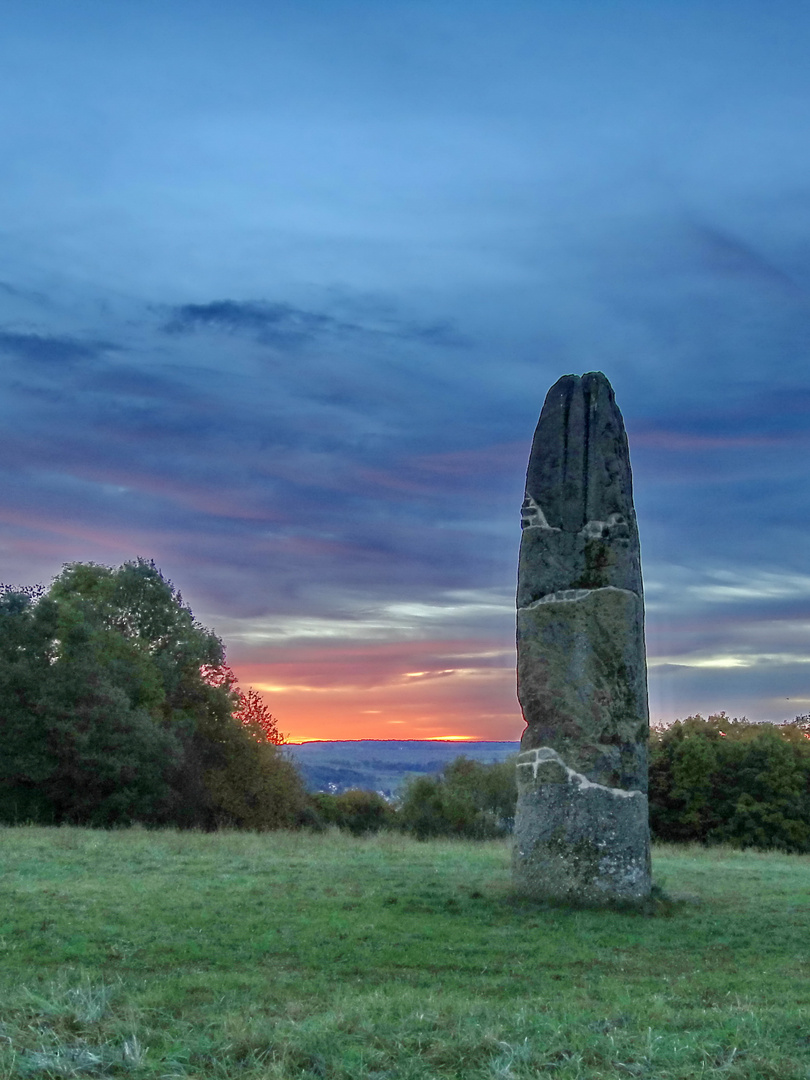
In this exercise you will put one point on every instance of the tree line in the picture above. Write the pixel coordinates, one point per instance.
(715, 780)
(723, 780)
(117, 706)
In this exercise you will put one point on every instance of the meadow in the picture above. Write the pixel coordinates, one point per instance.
(145, 954)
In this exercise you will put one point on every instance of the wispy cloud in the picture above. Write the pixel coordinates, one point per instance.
(725, 253)
(747, 660)
(686, 441)
(398, 621)
(684, 586)
(280, 324)
(285, 326)
(51, 348)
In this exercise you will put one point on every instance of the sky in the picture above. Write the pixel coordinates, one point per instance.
(283, 286)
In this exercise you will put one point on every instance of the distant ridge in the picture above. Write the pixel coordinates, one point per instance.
(384, 764)
(448, 741)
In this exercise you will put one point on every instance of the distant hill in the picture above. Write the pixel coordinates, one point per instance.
(383, 766)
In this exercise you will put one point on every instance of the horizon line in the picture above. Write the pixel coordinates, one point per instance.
(455, 740)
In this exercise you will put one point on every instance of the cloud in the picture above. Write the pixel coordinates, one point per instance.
(347, 664)
(281, 324)
(363, 620)
(746, 660)
(338, 283)
(15, 291)
(724, 253)
(285, 325)
(694, 441)
(445, 475)
(51, 349)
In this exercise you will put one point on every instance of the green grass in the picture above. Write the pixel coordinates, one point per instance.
(165, 954)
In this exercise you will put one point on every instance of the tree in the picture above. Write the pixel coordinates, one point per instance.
(106, 715)
(467, 799)
(79, 741)
(27, 634)
(731, 781)
(253, 713)
(250, 709)
(253, 785)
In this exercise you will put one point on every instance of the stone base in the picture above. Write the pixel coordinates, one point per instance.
(577, 841)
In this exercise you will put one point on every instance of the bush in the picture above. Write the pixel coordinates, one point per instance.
(356, 810)
(725, 780)
(466, 799)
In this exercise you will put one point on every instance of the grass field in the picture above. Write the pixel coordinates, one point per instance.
(165, 954)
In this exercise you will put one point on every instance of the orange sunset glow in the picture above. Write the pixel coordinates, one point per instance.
(375, 693)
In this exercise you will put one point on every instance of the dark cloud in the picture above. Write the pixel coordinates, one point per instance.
(127, 381)
(279, 324)
(49, 349)
(285, 325)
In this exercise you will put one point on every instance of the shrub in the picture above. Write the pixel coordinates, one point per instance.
(724, 780)
(356, 810)
(467, 799)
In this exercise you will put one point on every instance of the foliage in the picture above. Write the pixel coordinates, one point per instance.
(107, 717)
(466, 799)
(250, 709)
(719, 780)
(79, 740)
(356, 810)
(280, 955)
(254, 786)
(723, 780)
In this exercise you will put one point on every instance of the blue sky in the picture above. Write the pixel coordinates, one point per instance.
(282, 290)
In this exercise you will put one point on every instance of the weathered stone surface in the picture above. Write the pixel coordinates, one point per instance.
(582, 827)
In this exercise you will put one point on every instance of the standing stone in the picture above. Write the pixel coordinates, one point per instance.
(581, 830)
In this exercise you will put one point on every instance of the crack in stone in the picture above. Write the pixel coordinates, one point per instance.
(566, 596)
(545, 753)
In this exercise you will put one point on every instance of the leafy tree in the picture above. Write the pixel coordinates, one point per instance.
(250, 709)
(253, 785)
(27, 651)
(429, 809)
(467, 799)
(683, 763)
(732, 781)
(106, 715)
(78, 738)
(254, 714)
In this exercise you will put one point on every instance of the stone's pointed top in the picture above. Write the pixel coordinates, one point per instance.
(579, 525)
(579, 467)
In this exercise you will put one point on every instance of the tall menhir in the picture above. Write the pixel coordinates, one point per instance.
(582, 830)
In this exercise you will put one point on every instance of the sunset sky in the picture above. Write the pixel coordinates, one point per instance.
(283, 286)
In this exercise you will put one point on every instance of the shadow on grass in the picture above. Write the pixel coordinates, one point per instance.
(658, 905)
